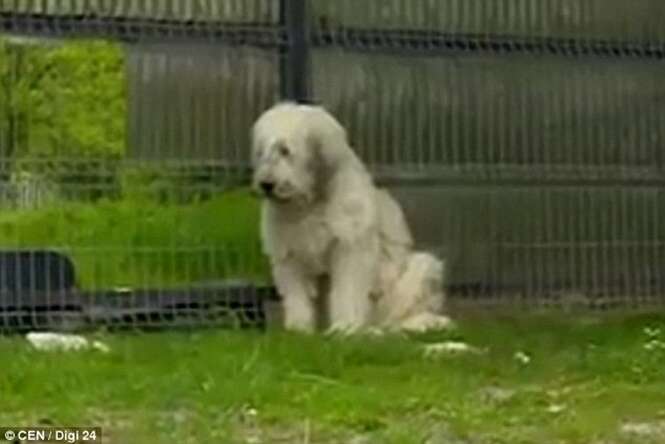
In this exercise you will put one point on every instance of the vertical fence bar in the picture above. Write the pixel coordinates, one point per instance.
(295, 61)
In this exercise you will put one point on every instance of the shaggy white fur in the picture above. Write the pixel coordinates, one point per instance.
(340, 249)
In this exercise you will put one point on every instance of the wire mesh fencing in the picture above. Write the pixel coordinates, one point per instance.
(123, 139)
(522, 137)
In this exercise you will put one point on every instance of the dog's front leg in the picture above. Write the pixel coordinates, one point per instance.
(353, 275)
(298, 292)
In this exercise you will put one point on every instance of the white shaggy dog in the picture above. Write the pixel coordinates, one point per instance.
(340, 249)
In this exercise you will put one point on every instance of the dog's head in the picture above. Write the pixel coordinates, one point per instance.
(295, 150)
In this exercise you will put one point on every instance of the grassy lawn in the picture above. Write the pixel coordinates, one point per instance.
(586, 381)
(139, 242)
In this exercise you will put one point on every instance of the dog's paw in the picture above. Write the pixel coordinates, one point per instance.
(425, 322)
(346, 329)
(302, 327)
(342, 331)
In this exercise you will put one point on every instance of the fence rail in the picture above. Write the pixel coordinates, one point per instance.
(132, 29)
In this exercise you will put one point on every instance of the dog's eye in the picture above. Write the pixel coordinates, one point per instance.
(284, 151)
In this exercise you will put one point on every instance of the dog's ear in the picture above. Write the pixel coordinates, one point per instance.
(327, 141)
(256, 144)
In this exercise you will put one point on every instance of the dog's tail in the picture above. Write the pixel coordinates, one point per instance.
(419, 289)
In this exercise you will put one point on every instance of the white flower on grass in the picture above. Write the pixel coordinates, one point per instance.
(653, 430)
(555, 408)
(654, 341)
(652, 332)
(251, 412)
(654, 344)
(100, 346)
(522, 357)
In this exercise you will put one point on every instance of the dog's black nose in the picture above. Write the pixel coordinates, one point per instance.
(267, 187)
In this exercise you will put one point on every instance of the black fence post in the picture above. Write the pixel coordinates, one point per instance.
(294, 61)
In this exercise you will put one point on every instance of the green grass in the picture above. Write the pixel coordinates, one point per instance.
(584, 381)
(139, 242)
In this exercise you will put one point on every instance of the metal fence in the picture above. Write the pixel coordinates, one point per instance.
(522, 137)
